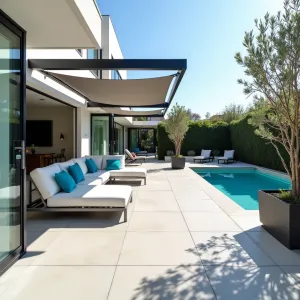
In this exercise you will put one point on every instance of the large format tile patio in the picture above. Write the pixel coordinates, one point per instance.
(183, 240)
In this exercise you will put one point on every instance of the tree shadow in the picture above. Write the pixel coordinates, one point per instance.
(230, 268)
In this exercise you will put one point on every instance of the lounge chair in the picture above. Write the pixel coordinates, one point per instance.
(205, 156)
(139, 152)
(132, 159)
(228, 157)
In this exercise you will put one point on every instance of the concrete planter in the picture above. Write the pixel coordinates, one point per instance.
(178, 162)
(280, 219)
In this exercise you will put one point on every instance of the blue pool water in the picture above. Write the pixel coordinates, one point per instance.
(242, 185)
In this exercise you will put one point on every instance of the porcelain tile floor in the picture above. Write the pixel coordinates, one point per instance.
(178, 243)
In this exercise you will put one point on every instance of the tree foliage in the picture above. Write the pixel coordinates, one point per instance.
(177, 126)
(232, 112)
(193, 116)
(272, 67)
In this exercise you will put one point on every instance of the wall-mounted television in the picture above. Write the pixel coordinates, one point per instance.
(39, 133)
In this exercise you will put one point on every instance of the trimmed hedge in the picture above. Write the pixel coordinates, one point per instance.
(201, 135)
(251, 148)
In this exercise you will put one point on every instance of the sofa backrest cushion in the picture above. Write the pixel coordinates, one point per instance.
(81, 163)
(44, 180)
(65, 165)
(113, 157)
(97, 159)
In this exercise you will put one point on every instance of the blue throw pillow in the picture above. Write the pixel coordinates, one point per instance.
(113, 164)
(91, 165)
(76, 172)
(65, 181)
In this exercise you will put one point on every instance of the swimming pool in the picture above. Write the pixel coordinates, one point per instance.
(242, 185)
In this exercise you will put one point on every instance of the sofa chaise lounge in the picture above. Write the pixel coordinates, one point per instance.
(91, 194)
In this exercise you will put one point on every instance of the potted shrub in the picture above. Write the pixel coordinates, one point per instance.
(272, 64)
(191, 153)
(177, 125)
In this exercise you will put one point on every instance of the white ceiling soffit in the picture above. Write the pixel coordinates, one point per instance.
(126, 93)
(132, 113)
(57, 24)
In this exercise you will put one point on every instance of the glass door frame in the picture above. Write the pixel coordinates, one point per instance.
(138, 135)
(21, 33)
(110, 131)
(123, 136)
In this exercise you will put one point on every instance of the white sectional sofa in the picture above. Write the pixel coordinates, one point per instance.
(90, 194)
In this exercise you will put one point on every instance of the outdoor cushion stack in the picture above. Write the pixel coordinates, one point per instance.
(89, 175)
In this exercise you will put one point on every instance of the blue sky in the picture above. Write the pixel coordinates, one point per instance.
(206, 32)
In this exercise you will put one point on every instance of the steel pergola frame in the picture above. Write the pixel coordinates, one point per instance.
(178, 65)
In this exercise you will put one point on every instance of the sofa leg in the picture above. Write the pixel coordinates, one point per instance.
(125, 215)
(145, 181)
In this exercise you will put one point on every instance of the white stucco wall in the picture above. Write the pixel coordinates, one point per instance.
(83, 132)
(110, 46)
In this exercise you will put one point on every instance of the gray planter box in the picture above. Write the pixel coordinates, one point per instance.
(280, 219)
(178, 162)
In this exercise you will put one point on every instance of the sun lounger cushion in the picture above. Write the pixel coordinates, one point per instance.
(205, 153)
(129, 172)
(44, 180)
(228, 153)
(93, 196)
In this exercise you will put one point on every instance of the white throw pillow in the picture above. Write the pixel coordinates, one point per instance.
(44, 180)
(81, 163)
(229, 153)
(120, 157)
(205, 153)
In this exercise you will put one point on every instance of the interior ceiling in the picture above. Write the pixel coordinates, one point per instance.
(33, 100)
(55, 24)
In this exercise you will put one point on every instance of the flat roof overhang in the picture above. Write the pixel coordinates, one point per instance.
(142, 93)
(57, 24)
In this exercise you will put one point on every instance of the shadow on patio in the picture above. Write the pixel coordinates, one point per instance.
(228, 266)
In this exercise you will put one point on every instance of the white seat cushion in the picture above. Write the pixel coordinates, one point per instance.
(205, 153)
(120, 157)
(65, 165)
(200, 157)
(82, 164)
(97, 159)
(93, 196)
(129, 172)
(229, 153)
(44, 180)
(97, 178)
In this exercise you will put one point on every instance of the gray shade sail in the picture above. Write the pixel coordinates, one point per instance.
(132, 113)
(121, 93)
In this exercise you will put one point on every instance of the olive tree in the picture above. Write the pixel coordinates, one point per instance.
(272, 65)
(177, 125)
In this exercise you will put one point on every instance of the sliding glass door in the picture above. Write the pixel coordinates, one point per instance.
(100, 135)
(12, 150)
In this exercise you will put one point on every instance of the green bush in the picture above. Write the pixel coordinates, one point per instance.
(201, 135)
(253, 149)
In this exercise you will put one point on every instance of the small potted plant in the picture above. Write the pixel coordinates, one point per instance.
(191, 153)
(177, 125)
(32, 149)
